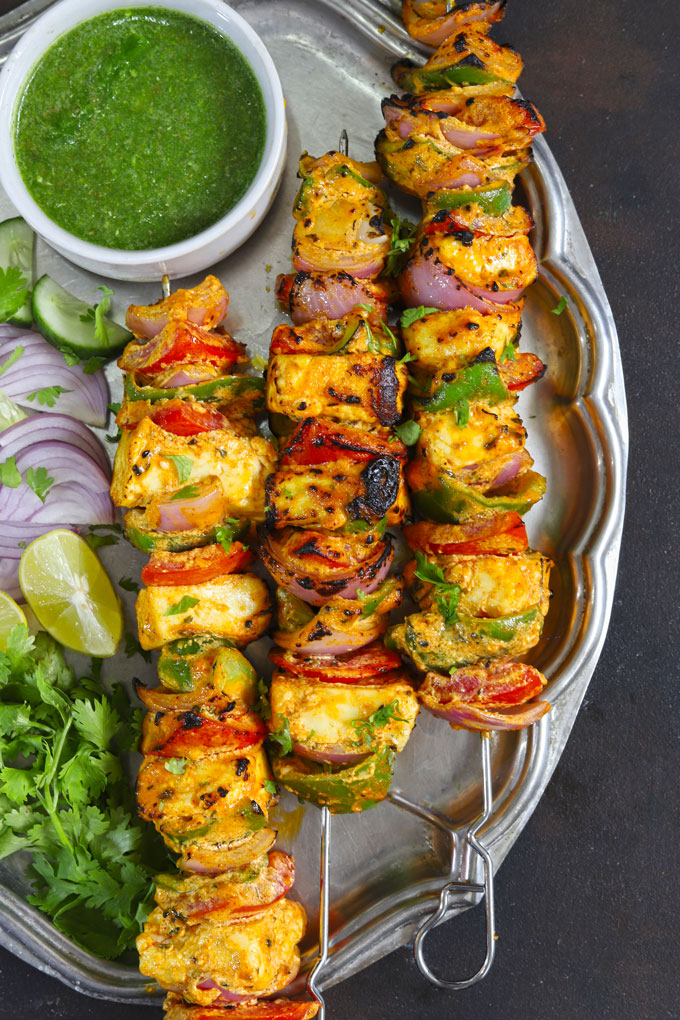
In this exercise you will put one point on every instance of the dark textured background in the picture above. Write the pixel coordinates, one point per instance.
(588, 898)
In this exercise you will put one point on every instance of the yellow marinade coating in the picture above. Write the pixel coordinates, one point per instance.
(143, 470)
(233, 606)
(325, 716)
(251, 955)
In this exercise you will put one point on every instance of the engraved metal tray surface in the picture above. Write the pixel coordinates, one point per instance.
(387, 865)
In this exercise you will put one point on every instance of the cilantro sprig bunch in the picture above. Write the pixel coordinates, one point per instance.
(65, 799)
(446, 595)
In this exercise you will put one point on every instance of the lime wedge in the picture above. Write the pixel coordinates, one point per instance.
(70, 592)
(10, 615)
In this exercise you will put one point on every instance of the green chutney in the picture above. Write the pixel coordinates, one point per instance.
(140, 128)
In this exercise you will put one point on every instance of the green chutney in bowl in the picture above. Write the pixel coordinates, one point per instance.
(140, 128)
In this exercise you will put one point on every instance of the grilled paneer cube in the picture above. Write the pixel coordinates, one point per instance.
(364, 388)
(476, 452)
(343, 220)
(421, 165)
(151, 463)
(490, 586)
(487, 262)
(234, 606)
(332, 495)
(251, 956)
(446, 341)
(183, 796)
(328, 718)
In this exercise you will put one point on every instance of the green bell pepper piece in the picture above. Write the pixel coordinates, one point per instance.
(478, 381)
(177, 541)
(427, 79)
(343, 789)
(493, 199)
(224, 390)
(176, 659)
(292, 612)
(452, 502)
(432, 645)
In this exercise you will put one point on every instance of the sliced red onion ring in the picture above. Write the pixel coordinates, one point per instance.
(469, 716)
(188, 375)
(319, 589)
(40, 367)
(57, 427)
(151, 325)
(338, 643)
(332, 297)
(511, 469)
(207, 984)
(441, 30)
(498, 297)
(182, 514)
(471, 140)
(330, 757)
(426, 281)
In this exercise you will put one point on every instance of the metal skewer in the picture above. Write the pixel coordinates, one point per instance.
(456, 884)
(313, 981)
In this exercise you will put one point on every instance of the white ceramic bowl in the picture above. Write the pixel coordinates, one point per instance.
(185, 257)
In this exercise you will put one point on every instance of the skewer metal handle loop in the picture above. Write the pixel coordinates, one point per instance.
(466, 887)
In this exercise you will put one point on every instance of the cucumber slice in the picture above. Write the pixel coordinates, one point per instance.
(68, 323)
(17, 242)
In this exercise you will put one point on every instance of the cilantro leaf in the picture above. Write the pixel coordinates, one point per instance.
(127, 584)
(262, 706)
(176, 766)
(188, 492)
(183, 466)
(96, 721)
(48, 395)
(411, 315)
(409, 432)
(39, 480)
(366, 728)
(508, 353)
(13, 292)
(186, 603)
(64, 799)
(91, 365)
(271, 787)
(12, 359)
(403, 233)
(446, 594)
(408, 357)
(560, 306)
(97, 541)
(281, 736)
(100, 309)
(133, 647)
(9, 473)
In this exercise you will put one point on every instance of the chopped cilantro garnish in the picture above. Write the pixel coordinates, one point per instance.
(411, 315)
(186, 603)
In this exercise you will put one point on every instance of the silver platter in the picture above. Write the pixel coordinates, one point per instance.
(387, 865)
